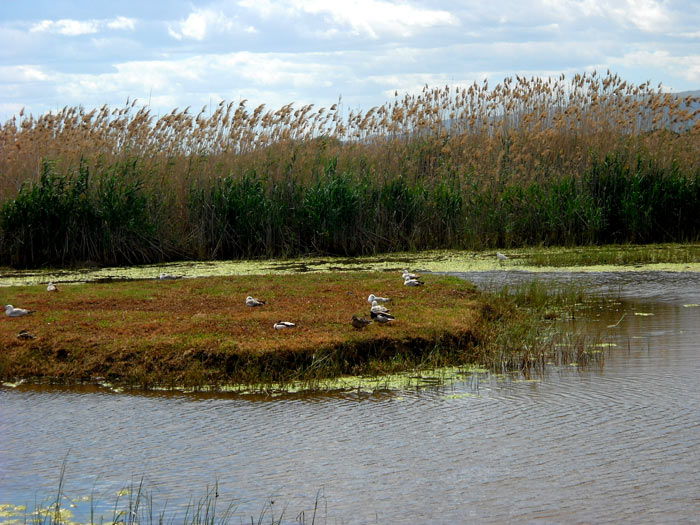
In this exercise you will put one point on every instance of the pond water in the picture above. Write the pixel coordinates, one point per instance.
(615, 442)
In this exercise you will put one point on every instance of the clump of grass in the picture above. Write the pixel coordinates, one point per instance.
(538, 334)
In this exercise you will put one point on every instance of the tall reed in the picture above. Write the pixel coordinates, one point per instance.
(588, 159)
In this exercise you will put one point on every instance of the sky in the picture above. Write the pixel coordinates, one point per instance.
(172, 54)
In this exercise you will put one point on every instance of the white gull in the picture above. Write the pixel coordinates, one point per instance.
(382, 318)
(11, 311)
(252, 301)
(379, 308)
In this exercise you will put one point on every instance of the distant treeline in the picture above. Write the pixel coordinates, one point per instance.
(529, 161)
(112, 216)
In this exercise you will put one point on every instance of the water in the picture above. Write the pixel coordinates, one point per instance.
(613, 443)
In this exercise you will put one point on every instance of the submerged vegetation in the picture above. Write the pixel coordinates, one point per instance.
(198, 333)
(586, 161)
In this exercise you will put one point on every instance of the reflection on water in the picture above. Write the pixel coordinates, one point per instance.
(618, 443)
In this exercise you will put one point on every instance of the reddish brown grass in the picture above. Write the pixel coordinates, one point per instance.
(200, 330)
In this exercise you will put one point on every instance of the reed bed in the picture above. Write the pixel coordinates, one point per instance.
(555, 161)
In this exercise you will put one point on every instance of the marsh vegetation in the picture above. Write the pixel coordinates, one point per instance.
(199, 333)
(588, 160)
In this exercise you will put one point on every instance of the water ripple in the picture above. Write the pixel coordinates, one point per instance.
(610, 445)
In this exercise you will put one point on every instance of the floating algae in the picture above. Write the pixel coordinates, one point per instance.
(461, 396)
(527, 259)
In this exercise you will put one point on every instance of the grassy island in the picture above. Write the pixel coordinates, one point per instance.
(200, 333)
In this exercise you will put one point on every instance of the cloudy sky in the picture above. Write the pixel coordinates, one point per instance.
(174, 53)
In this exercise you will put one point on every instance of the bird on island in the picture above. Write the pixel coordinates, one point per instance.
(373, 297)
(501, 257)
(166, 276)
(379, 308)
(360, 322)
(412, 282)
(51, 287)
(408, 275)
(24, 335)
(381, 318)
(252, 301)
(281, 325)
(11, 311)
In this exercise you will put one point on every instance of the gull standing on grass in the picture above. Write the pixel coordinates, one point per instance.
(252, 301)
(51, 287)
(373, 297)
(408, 275)
(501, 257)
(11, 311)
(281, 325)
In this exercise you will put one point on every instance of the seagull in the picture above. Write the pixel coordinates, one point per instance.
(25, 335)
(501, 257)
(252, 301)
(166, 276)
(281, 325)
(412, 282)
(408, 275)
(51, 287)
(373, 297)
(11, 311)
(379, 308)
(382, 318)
(360, 323)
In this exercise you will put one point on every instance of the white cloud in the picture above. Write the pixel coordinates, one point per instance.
(648, 15)
(122, 22)
(266, 70)
(174, 34)
(23, 73)
(66, 27)
(69, 27)
(687, 66)
(364, 17)
(190, 80)
(200, 23)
